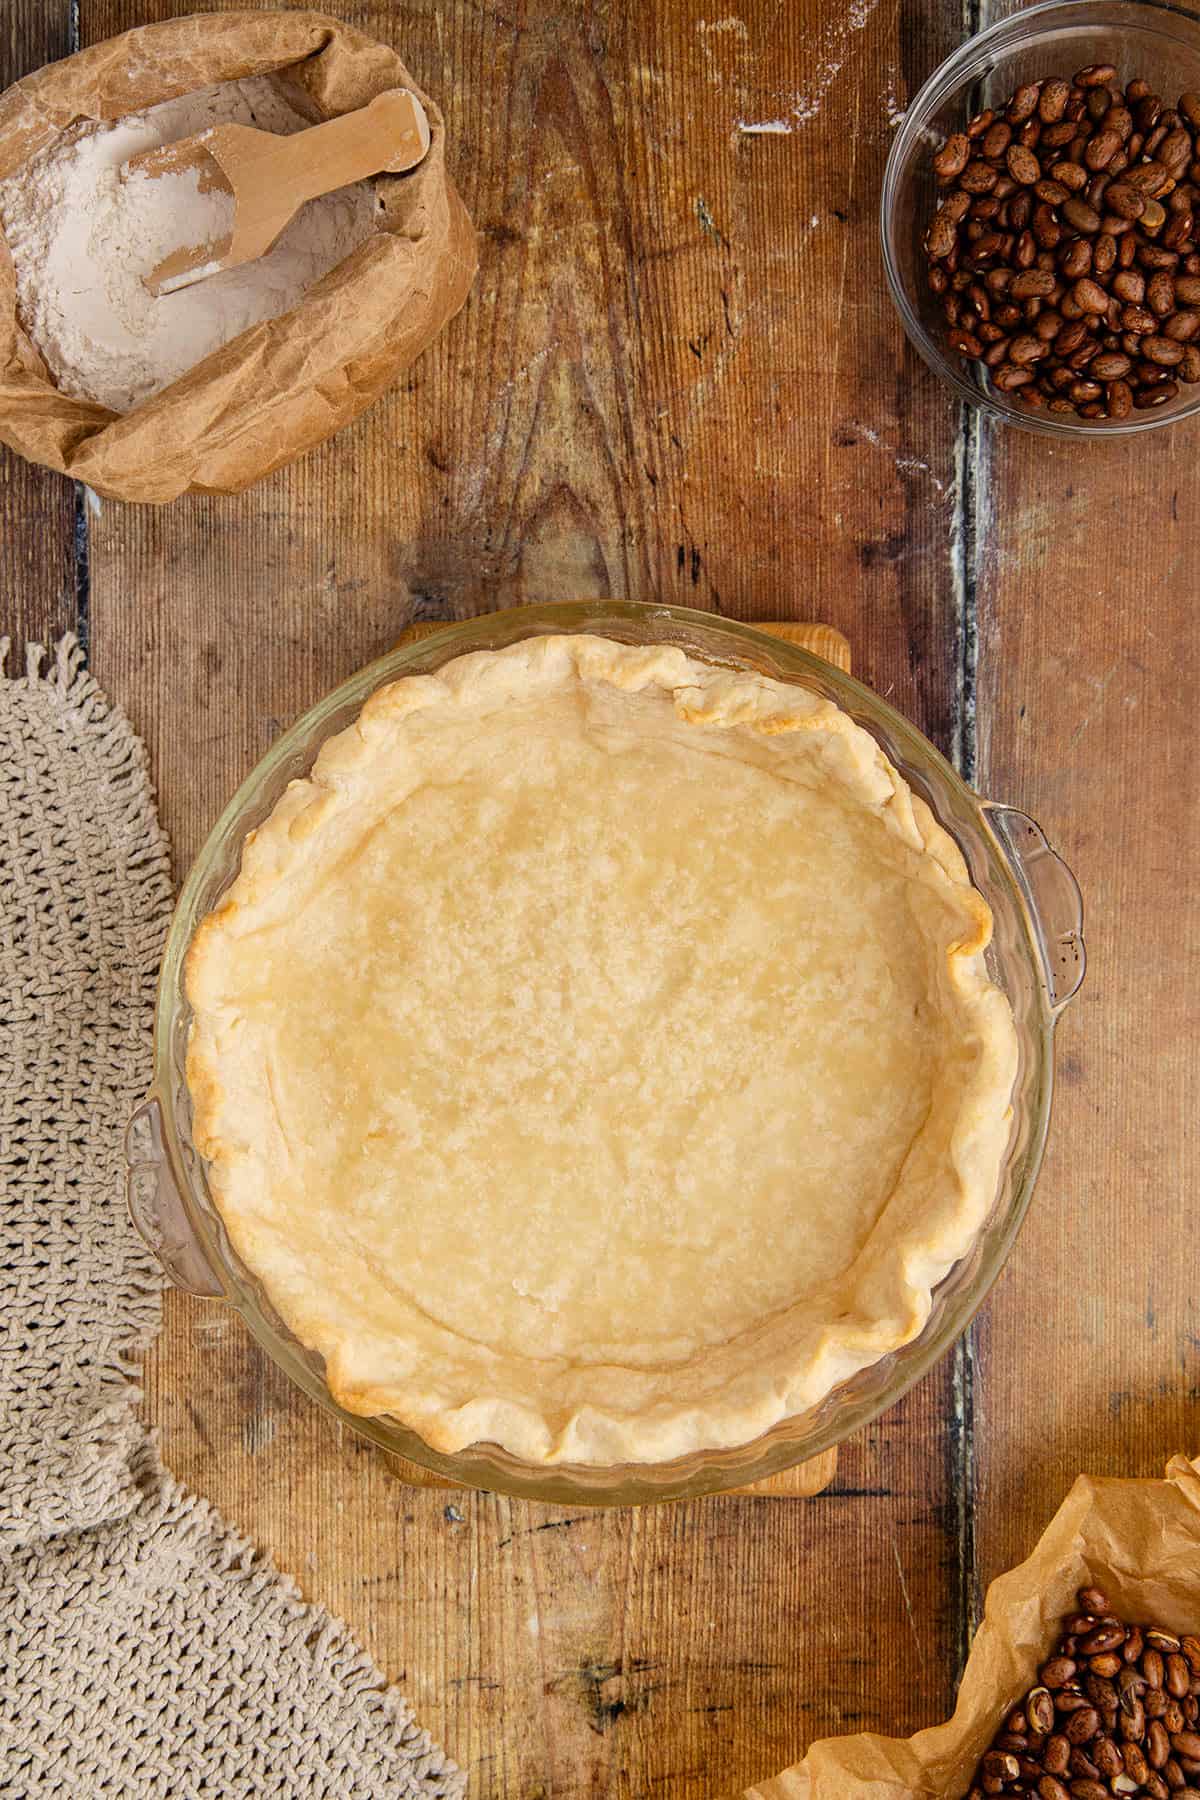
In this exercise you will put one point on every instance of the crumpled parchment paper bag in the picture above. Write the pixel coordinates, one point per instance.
(1137, 1540)
(287, 384)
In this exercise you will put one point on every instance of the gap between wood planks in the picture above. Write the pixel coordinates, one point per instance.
(82, 545)
(969, 531)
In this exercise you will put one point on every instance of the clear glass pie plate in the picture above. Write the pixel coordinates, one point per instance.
(1037, 957)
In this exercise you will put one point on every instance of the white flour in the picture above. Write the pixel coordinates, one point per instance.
(833, 49)
(82, 239)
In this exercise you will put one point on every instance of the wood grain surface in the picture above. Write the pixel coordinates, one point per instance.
(1089, 721)
(1085, 571)
(679, 378)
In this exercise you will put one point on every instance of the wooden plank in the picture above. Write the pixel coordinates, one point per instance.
(37, 507)
(675, 380)
(1089, 681)
(1086, 572)
(800, 1481)
(825, 641)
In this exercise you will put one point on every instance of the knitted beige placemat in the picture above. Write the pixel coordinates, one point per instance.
(84, 896)
(145, 1649)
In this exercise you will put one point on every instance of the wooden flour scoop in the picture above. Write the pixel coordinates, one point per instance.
(270, 178)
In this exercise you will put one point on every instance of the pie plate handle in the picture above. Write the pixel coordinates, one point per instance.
(157, 1210)
(1052, 895)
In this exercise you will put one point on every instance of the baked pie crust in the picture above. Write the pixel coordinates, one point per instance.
(596, 1055)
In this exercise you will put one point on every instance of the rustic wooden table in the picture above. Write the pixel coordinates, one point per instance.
(679, 377)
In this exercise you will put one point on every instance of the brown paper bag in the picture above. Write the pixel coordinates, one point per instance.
(289, 383)
(1138, 1540)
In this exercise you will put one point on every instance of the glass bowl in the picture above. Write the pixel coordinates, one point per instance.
(1141, 37)
(1036, 956)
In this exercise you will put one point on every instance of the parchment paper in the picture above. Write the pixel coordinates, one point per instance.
(287, 384)
(1138, 1540)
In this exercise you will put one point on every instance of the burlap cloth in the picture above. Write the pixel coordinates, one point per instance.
(145, 1649)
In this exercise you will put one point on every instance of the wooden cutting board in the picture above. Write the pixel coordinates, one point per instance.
(819, 640)
(807, 1477)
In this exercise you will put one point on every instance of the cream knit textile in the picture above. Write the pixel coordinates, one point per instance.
(145, 1649)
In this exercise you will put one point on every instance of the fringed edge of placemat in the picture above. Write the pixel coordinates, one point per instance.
(308, 1626)
(118, 748)
(122, 761)
(56, 707)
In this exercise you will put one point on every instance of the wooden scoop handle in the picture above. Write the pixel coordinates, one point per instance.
(390, 134)
(272, 177)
